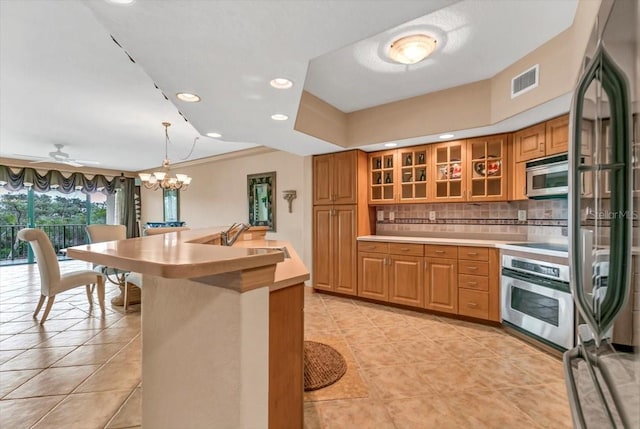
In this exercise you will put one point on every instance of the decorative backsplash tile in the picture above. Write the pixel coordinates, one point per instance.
(546, 219)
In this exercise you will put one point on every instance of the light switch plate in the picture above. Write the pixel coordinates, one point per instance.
(392, 216)
(380, 215)
(522, 215)
(432, 215)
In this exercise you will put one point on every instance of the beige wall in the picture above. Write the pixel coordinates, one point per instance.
(218, 195)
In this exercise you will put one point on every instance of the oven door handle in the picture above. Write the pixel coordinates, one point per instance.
(540, 281)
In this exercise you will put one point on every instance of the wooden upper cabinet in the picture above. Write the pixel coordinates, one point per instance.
(449, 175)
(557, 135)
(335, 178)
(382, 177)
(530, 143)
(487, 168)
(413, 174)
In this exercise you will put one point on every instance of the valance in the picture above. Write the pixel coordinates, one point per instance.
(55, 180)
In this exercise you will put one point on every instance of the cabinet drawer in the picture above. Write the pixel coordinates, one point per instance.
(473, 253)
(373, 246)
(406, 249)
(475, 268)
(468, 281)
(441, 251)
(473, 303)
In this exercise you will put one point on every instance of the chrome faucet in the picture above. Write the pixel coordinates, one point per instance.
(225, 240)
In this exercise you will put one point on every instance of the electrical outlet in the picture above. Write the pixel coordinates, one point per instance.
(392, 216)
(432, 215)
(380, 215)
(522, 215)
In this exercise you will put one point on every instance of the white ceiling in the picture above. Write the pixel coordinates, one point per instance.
(63, 80)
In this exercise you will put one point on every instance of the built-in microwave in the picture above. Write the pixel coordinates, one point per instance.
(548, 177)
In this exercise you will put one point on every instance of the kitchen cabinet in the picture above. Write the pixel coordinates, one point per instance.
(487, 168)
(441, 284)
(479, 282)
(335, 178)
(448, 159)
(334, 267)
(557, 135)
(529, 143)
(399, 175)
(391, 272)
(543, 139)
(339, 177)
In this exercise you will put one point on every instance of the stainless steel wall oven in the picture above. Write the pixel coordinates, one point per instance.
(536, 300)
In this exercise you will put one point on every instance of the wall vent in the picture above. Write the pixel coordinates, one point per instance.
(525, 81)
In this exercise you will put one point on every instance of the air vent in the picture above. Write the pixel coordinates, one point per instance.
(525, 82)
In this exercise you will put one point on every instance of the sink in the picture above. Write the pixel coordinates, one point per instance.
(283, 249)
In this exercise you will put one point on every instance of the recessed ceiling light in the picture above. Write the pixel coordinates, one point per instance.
(214, 135)
(390, 144)
(188, 97)
(279, 117)
(446, 136)
(412, 49)
(281, 83)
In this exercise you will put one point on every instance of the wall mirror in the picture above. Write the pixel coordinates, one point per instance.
(171, 205)
(262, 205)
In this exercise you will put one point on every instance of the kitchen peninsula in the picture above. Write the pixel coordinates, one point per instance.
(222, 327)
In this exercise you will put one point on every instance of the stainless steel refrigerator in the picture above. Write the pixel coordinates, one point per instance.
(603, 372)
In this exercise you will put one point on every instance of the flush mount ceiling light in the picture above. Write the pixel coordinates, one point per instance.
(214, 135)
(446, 136)
(281, 83)
(412, 49)
(120, 1)
(161, 179)
(390, 144)
(279, 117)
(188, 97)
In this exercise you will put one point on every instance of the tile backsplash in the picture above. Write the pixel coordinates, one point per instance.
(546, 220)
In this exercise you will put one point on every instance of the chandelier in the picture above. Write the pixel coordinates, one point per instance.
(162, 179)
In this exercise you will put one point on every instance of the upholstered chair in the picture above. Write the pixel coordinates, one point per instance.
(51, 281)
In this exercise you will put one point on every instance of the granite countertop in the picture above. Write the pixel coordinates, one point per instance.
(193, 254)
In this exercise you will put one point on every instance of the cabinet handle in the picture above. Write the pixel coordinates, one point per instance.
(404, 249)
(472, 268)
(472, 254)
(472, 305)
(472, 283)
(439, 252)
(426, 265)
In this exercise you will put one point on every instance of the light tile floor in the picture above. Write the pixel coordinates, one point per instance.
(405, 369)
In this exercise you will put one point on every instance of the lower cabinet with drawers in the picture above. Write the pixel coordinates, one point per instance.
(451, 279)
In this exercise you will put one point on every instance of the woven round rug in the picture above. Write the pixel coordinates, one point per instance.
(323, 365)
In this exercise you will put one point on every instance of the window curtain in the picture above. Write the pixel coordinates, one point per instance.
(129, 209)
(52, 179)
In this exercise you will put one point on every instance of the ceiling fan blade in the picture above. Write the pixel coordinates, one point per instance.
(82, 161)
(71, 163)
(44, 160)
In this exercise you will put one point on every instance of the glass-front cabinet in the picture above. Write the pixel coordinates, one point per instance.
(382, 177)
(450, 176)
(486, 168)
(413, 173)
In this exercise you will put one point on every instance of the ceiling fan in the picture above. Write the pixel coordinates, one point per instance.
(60, 157)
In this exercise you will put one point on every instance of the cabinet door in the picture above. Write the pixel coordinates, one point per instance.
(405, 280)
(487, 168)
(557, 135)
(322, 247)
(414, 174)
(322, 176)
(382, 177)
(529, 143)
(344, 183)
(441, 285)
(448, 161)
(344, 261)
(519, 182)
(372, 276)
